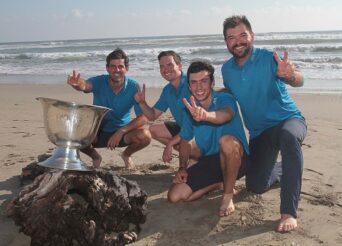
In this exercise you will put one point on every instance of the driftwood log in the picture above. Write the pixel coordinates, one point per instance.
(79, 208)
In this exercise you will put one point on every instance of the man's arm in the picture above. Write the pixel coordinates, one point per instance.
(78, 83)
(287, 71)
(168, 148)
(220, 116)
(137, 122)
(151, 113)
(184, 154)
(117, 136)
(198, 113)
(296, 80)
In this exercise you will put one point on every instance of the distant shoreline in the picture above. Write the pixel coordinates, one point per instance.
(311, 86)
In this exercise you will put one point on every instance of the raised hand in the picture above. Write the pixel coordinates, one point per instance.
(140, 95)
(286, 69)
(198, 113)
(76, 82)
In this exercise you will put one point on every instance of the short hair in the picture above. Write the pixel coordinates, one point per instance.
(234, 21)
(199, 66)
(172, 53)
(117, 54)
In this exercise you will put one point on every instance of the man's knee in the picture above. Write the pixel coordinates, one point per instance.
(255, 184)
(178, 193)
(287, 138)
(174, 196)
(143, 136)
(229, 145)
(154, 131)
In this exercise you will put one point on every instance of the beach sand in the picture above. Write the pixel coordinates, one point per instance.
(22, 139)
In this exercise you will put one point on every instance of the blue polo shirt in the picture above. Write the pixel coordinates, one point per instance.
(121, 103)
(207, 135)
(172, 98)
(262, 96)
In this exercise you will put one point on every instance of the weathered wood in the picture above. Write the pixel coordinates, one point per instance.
(79, 208)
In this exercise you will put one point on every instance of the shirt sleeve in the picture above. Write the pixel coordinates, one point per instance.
(162, 104)
(186, 132)
(226, 100)
(95, 83)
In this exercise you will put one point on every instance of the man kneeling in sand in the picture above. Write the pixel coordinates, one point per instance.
(213, 125)
(115, 91)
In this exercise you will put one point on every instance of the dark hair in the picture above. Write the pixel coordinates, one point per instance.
(201, 65)
(234, 21)
(117, 54)
(172, 53)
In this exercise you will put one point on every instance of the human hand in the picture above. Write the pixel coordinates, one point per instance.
(286, 69)
(115, 139)
(76, 82)
(198, 113)
(180, 177)
(167, 153)
(140, 95)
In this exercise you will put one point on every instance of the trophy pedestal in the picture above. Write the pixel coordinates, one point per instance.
(67, 159)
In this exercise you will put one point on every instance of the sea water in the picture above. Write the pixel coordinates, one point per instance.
(317, 54)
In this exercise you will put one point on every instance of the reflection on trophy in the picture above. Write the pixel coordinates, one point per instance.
(71, 127)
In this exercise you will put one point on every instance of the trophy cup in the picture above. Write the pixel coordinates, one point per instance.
(71, 127)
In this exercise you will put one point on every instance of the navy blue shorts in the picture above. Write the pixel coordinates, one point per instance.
(173, 127)
(207, 171)
(102, 138)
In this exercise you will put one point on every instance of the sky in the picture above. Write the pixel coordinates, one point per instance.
(38, 20)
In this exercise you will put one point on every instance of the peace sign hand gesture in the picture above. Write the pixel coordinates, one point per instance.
(140, 95)
(76, 81)
(286, 69)
(198, 113)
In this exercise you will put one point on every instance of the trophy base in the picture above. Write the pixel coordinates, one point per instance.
(66, 159)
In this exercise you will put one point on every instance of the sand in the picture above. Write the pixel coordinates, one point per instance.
(22, 139)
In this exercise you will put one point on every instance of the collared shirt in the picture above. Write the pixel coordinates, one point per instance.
(262, 96)
(120, 103)
(207, 135)
(172, 98)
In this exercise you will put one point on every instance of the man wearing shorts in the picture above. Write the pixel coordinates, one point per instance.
(115, 91)
(171, 98)
(212, 125)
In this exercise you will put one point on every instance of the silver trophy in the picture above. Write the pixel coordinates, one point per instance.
(71, 127)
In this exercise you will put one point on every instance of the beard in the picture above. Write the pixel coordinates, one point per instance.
(238, 55)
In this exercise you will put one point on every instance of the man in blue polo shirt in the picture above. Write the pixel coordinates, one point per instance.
(171, 98)
(211, 124)
(115, 91)
(257, 78)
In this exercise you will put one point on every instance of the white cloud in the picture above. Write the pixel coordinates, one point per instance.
(80, 14)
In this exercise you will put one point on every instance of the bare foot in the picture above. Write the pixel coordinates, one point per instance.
(128, 161)
(287, 223)
(235, 191)
(227, 206)
(97, 161)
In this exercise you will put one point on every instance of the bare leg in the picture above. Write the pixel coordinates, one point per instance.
(94, 155)
(231, 152)
(136, 140)
(287, 223)
(160, 133)
(183, 193)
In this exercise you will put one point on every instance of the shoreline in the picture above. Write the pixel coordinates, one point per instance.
(23, 138)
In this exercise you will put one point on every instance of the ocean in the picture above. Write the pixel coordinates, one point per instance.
(317, 54)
